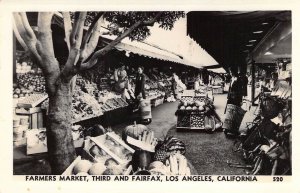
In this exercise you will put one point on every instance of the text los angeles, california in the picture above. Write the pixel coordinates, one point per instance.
(155, 178)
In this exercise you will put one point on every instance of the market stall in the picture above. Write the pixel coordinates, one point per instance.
(196, 111)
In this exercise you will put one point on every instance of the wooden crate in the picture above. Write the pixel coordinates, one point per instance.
(35, 116)
(188, 120)
(100, 141)
(32, 101)
(218, 89)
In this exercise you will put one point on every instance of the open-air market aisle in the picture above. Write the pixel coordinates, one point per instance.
(163, 118)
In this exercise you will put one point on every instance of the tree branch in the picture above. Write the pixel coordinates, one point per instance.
(18, 37)
(90, 30)
(27, 25)
(113, 43)
(77, 32)
(45, 44)
(153, 20)
(109, 47)
(29, 39)
(88, 48)
(69, 69)
(68, 27)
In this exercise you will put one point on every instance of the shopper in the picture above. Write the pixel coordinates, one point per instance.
(243, 83)
(205, 77)
(140, 83)
(235, 95)
(120, 76)
(174, 84)
(197, 83)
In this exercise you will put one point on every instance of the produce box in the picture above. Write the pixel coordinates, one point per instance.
(217, 89)
(188, 93)
(32, 101)
(114, 146)
(187, 98)
(28, 111)
(190, 120)
(37, 141)
(183, 121)
(159, 101)
(35, 116)
(69, 170)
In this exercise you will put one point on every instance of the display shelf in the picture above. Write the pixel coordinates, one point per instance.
(32, 101)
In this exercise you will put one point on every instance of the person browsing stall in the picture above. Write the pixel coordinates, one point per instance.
(140, 83)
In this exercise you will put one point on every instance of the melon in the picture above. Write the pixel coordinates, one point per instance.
(201, 108)
(185, 104)
(195, 108)
(188, 108)
(82, 166)
(97, 169)
(182, 108)
(201, 103)
(133, 131)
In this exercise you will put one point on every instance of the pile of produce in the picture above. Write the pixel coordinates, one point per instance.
(114, 103)
(18, 93)
(196, 106)
(86, 167)
(32, 82)
(150, 84)
(84, 105)
(197, 112)
(155, 93)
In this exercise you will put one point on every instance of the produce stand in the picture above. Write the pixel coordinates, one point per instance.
(195, 112)
(217, 89)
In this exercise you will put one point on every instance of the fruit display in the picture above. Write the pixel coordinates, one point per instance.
(109, 149)
(32, 82)
(85, 167)
(177, 165)
(187, 99)
(118, 149)
(84, 106)
(155, 93)
(197, 121)
(167, 147)
(197, 112)
(114, 103)
(183, 121)
(21, 92)
(32, 100)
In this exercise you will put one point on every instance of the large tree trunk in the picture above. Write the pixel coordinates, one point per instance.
(61, 149)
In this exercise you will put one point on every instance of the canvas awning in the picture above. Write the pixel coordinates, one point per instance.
(218, 70)
(144, 49)
(230, 36)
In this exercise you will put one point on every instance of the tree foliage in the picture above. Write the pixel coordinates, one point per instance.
(121, 21)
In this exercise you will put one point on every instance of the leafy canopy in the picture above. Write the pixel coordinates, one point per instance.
(119, 21)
